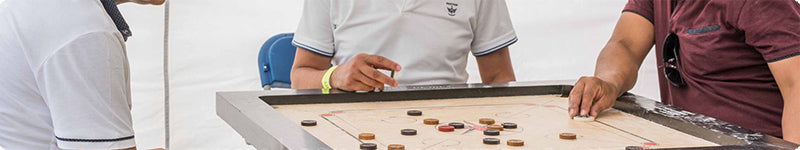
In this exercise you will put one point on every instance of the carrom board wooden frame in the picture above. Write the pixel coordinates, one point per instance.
(249, 113)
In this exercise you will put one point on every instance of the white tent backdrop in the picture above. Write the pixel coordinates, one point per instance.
(145, 55)
(213, 46)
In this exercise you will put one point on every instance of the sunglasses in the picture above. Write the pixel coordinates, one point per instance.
(670, 57)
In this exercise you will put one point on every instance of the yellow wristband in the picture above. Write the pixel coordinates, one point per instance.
(326, 79)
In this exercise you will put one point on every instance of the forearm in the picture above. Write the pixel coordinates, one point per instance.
(619, 66)
(308, 69)
(619, 61)
(307, 77)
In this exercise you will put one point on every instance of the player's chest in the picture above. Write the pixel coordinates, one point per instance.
(707, 32)
(704, 21)
(710, 41)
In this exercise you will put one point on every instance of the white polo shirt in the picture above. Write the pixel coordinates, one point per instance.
(63, 77)
(430, 39)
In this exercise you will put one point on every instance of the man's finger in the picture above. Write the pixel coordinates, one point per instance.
(377, 75)
(382, 62)
(575, 99)
(600, 106)
(587, 99)
(369, 81)
(358, 86)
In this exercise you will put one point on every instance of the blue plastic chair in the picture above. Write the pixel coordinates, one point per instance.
(275, 61)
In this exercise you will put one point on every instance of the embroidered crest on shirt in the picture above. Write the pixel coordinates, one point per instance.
(451, 8)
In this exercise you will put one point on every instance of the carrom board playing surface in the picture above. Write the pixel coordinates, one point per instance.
(540, 120)
(271, 119)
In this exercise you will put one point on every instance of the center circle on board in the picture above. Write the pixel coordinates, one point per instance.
(456, 131)
(475, 132)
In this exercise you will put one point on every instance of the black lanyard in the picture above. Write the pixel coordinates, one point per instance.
(111, 9)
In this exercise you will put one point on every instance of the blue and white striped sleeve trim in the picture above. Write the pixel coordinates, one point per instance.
(96, 143)
(94, 140)
(498, 47)
(312, 49)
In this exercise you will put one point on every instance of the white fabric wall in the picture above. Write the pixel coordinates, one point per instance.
(145, 53)
(213, 47)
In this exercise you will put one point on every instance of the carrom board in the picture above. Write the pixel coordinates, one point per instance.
(540, 120)
(271, 119)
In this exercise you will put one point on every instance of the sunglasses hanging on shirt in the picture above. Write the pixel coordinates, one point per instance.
(670, 56)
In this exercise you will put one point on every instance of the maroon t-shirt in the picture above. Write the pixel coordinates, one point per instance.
(725, 47)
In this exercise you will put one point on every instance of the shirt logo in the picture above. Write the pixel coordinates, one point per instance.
(451, 9)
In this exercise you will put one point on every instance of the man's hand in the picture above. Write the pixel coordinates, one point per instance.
(361, 74)
(590, 96)
(617, 67)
